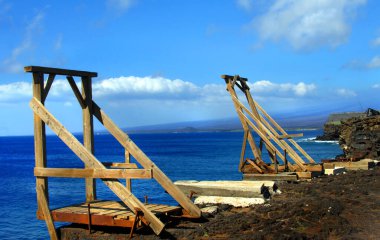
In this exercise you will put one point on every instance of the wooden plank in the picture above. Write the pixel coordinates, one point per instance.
(48, 86)
(254, 165)
(43, 204)
(120, 165)
(272, 177)
(128, 182)
(287, 136)
(242, 154)
(231, 77)
(295, 144)
(39, 136)
(93, 173)
(140, 156)
(119, 189)
(59, 71)
(76, 91)
(251, 141)
(88, 133)
(291, 152)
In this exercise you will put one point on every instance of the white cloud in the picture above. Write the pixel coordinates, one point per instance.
(120, 5)
(284, 89)
(376, 86)
(307, 24)
(376, 42)
(245, 4)
(346, 92)
(153, 88)
(374, 63)
(361, 65)
(12, 63)
(15, 92)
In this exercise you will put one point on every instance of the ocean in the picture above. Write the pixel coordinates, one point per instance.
(181, 156)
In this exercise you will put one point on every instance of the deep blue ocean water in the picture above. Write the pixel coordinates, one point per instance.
(182, 156)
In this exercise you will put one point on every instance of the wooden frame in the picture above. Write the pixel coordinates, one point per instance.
(279, 144)
(93, 167)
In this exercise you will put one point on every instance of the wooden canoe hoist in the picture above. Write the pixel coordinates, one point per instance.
(286, 156)
(124, 213)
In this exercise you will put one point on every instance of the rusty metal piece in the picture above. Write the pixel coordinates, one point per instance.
(191, 194)
(89, 217)
(135, 222)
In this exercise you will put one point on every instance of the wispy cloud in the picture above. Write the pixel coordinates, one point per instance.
(376, 86)
(308, 25)
(346, 92)
(245, 4)
(376, 42)
(361, 65)
(120, 6)
(12, 63)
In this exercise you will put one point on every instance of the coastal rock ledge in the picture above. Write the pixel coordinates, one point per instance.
(360, 138)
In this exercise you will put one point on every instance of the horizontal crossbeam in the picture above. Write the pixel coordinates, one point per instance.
(93, 173)
(59, 71)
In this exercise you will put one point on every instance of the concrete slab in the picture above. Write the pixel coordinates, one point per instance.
(226, 188)
(233, 201)
(335, 171)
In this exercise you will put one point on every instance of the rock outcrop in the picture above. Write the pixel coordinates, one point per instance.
(360, 137)
(331, 132)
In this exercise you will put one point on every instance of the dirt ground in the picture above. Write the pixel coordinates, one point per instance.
(330, 207)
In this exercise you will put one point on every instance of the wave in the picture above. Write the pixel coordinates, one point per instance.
(312, 139)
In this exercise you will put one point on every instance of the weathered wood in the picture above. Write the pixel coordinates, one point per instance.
(140, 156)
(255, 165)
(272, 177)
(242, 154)
(264, 131)
(120, 165)
(287, 136)
(76, 91)
(59, 71)
(44, 206)
(128, 182)
(48, 86)
(39, 136)
(251, 141)
(93, 173)
(295, 144)
(119, 189)
(88, 133)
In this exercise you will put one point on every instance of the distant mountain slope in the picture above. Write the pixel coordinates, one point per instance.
(228, 124)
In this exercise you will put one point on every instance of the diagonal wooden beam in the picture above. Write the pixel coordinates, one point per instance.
(140, 156)
(88, 158)
(76, 91)
(48, 86)
(242, 154)
(43, 204)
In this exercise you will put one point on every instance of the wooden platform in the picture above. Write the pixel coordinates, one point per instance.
(105, 213)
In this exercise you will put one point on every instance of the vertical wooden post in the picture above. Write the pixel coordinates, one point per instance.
(88, 133)
(128, 182)
(275, 162)
(39, 138)
(242, 154)
(286, 161)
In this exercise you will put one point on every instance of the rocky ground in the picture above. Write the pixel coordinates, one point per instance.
(331, 207)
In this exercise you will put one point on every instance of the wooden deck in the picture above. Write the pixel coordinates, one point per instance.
(105, 213)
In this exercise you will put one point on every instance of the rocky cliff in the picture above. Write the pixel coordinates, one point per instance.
(360, 137)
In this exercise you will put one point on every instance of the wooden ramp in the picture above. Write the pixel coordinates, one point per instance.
(106, 213)
(285, 154)
(94, 168)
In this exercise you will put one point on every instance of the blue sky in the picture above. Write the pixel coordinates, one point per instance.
(161, 61)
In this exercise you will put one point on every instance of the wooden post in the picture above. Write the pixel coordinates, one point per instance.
(88, 133)
(39, 137)
(128, 182)
(43, 205)
(275, 162)
(242, 154)
(286, 161)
